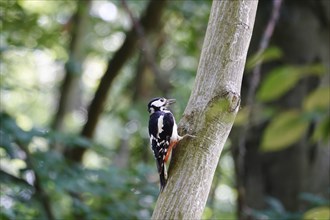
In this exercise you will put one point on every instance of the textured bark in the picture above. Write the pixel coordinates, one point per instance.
(149, 22)
(210, 112)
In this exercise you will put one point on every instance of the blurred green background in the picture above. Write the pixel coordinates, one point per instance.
(54, 53)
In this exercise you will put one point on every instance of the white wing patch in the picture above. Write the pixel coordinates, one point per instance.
(151, 139)
(160, 124)
(174, 136)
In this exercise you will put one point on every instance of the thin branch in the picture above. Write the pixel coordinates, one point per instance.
(254, 82)
(147, 51)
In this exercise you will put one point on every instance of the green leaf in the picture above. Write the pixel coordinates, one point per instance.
(242, 116)
(271, 53)
(322, 130)
(317, 213)
(282, 79)
(285, 129)
(315, 69)
(318, 99)
(278, 82)
(6, 144)
(70, 140)
(10, 127)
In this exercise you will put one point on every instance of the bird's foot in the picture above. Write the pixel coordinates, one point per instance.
(186, 135)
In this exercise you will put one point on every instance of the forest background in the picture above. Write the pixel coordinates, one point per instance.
(76, 77)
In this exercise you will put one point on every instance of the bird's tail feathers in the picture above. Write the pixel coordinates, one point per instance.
(163, 178)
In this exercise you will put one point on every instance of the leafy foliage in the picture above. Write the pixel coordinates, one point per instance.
(93, 193)
(319, 99)
(33, 56)
(270, 54)
(317, 213)
(316, 207)
(282, 79)
(287, 125)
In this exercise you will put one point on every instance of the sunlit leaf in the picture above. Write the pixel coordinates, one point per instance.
(271, 53)
(318, 213)
(318, 99)
(284, 129)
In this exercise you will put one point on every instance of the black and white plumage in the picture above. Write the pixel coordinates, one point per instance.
(163, 134)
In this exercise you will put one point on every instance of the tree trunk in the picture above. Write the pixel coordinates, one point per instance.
(210, 112)
(70, 89)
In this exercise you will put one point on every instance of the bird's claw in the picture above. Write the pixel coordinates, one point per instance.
(187, 135)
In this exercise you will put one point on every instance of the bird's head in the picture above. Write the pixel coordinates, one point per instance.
(159, 104)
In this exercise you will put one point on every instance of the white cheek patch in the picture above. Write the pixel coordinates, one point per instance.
(160, 125)
(158, 103)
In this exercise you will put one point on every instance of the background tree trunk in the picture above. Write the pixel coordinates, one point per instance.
(302, 167)
(149, 22)
(210, 112)
(70, 97)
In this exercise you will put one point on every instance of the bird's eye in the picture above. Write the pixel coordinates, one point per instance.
(162, 100)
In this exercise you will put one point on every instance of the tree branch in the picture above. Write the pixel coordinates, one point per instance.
(250, 99)
(148, 52)
(210, 112)
(149, 22)
(264, 42)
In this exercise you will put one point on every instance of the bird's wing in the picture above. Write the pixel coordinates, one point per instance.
(160, 135)
(168, 122)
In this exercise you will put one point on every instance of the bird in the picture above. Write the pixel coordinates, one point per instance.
(163, 133)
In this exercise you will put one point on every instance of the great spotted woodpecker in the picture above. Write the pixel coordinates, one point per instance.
(163, 134)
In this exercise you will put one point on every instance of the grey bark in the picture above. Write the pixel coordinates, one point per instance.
(210, 112)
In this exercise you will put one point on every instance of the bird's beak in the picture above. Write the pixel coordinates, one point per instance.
(170, 101)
